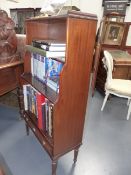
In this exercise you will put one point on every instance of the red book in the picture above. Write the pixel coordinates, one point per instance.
(40, 100)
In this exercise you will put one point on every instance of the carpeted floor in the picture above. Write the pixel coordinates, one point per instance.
(106, 148)
(4, 167)
(9, 99)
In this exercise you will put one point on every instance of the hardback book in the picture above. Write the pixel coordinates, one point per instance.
(53, 48)
(39, 43)
(25, 97)
(38, 66)
(35, 64)
(44, 115)
(40, 100)
(55, 54)
(41, 68)
(49, 54)
(52, 70)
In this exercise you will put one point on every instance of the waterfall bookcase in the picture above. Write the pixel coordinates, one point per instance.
(78, 31)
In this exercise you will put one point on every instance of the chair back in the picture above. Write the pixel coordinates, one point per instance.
(108, 63)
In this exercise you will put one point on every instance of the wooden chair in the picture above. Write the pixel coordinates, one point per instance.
(118, 87)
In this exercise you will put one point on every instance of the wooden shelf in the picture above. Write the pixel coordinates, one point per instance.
(46, 142)
(41, 87)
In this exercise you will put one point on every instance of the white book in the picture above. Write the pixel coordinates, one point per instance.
(42, 69)
(32, 66)
(53, 48)
(25, 97)
(35, 64)
(55, 54)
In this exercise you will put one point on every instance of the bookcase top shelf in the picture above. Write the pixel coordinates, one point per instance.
(70, 13)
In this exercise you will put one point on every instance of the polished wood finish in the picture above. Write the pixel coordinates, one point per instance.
(78, 31)
(10, 72)
(10, 76)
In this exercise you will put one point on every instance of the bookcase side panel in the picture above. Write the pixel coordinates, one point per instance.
(69, 112)
(27, 62)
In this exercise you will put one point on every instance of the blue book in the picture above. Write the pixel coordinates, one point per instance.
(52, 72)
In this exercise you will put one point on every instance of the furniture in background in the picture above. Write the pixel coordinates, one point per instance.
(69, 104)
(19, 15)
(11, 70)
(12, 50)
(118, 87)
(120, 43)
(121, 70)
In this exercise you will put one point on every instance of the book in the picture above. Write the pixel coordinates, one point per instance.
(44, 115)
(40, 99)
(50, 54)
(53, 48)
(39, 43)
(50, 127)
(25, 97)
(52, 70)
(55, 54)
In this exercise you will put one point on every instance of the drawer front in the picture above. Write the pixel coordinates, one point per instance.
(39, 135)
(121, 72)
(129, 74)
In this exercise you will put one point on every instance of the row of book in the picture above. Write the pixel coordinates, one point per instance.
(53, 49)
(41, 107)
(46, 70)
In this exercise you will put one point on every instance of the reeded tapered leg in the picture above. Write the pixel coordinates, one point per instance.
(54, 167)
(76, 154)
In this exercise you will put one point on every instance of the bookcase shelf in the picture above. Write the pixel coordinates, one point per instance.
(41, 87)
(43, 138)
(77, 30)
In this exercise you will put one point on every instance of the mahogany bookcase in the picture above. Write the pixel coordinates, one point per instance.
(78, 31)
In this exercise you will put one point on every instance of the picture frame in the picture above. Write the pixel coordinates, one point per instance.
(113, 33)
(128, 2)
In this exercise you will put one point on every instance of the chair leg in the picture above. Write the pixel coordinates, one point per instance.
(105, 99)
(129, 111)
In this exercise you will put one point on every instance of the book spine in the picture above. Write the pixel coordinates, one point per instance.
(53, 48)
(25, 97)
(40, 100)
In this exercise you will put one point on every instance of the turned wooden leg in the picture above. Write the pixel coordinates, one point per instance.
(54, 167)
(27, 129)
(20, 101)
(76, 154)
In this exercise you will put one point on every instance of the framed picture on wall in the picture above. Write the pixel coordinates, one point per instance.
(127, 1)
(113, 33)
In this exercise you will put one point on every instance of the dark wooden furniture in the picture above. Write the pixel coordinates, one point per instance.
(121, 70)
(10, 73)
(19, 15)
(78, 31)
(122, 66)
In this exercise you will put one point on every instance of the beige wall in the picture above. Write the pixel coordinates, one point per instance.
(90, 6)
